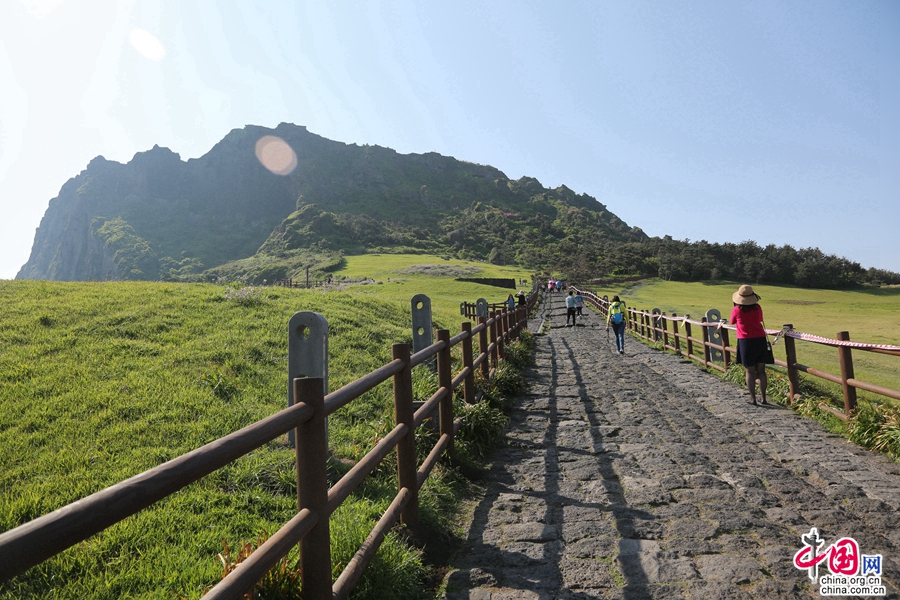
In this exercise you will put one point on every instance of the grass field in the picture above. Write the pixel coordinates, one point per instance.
(871, 315)
(399, 277)
(100, 381)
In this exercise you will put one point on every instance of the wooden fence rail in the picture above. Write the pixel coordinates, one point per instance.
(34, 542)
(673, 331)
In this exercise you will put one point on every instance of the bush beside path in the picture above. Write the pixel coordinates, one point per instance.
(641, 476)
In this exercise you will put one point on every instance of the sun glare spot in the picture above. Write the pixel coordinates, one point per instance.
(275, 154)
(146, 44)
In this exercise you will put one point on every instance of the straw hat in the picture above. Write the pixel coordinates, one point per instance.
(745, 296)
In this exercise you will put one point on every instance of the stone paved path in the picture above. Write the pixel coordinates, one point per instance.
(641, 476)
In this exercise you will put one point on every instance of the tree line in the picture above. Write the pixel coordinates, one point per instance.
(679, 260)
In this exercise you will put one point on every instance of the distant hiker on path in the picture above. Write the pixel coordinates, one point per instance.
(579, 304)
(752, 347)
(616, 318)
(521, 296)
(570, 308)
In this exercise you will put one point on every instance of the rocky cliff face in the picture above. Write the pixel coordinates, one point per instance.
(158, 217)
(64, 247)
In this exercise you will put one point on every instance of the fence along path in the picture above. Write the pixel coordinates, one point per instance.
(642, 476)
(34, 542)
(712, 348)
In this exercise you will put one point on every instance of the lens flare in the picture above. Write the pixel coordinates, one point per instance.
(275, 154)
(147, 44)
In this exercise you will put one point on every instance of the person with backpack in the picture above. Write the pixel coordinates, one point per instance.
(752, 346)
(616, 318)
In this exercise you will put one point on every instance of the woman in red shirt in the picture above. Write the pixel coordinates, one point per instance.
(752, 349)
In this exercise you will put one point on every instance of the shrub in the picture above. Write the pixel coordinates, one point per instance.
(876, 426)
(482, 424)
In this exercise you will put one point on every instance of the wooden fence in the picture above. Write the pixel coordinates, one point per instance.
(298, 283)
(34, 542)
(677, 334)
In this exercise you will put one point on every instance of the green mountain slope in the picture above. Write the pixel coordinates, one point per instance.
(158, 217)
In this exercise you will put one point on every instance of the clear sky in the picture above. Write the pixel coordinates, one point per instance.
(776, 121)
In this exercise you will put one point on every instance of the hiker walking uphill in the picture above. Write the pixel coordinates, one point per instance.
(579, 305)
(616, 318)
(570, 308)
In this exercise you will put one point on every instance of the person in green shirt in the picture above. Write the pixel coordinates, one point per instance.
(616, 318)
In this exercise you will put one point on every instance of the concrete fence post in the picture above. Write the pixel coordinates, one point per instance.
(423, 334)
(307, 353)
(714, 335)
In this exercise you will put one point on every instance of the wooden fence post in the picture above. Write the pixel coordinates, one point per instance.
(726, 355)
(847, 373)
(501, 335)
(469, 382)
(675, 334)
(445, 380)
(705, 342)
(790, 351)
(483, 347)
(665, 330)
(406, 447)
(312, 489)
(495, 354)
(687, 336)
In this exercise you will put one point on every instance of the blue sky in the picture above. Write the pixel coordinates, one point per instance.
(772, 121)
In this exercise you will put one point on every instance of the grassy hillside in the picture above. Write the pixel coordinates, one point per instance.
(100, 381)
(399, 277)
(870, 315)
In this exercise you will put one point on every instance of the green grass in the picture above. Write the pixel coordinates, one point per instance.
(399, 277)
(101, 381)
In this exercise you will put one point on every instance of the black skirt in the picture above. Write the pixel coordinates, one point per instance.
(752, 351)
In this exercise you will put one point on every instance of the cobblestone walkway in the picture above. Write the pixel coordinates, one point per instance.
(641, 476)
